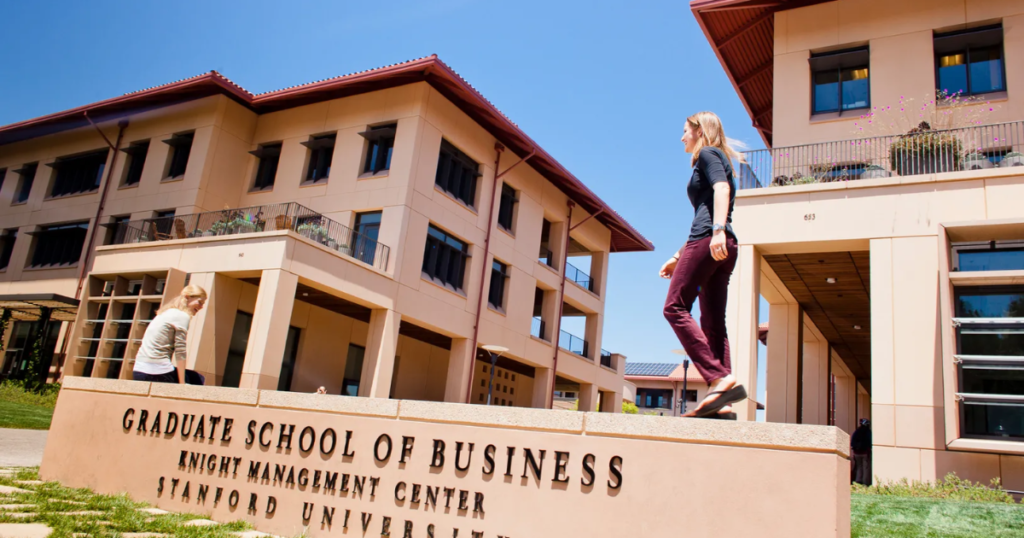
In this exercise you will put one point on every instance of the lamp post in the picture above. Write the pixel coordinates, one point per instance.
(686, 370)
(494, 352)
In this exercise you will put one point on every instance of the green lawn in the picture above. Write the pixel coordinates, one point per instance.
(24, 416)
(883, 516)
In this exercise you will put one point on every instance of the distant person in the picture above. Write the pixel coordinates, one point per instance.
(701, 269)
(321, 390)
(161, 357)
(860, 445)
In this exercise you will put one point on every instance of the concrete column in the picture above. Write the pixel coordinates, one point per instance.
(460, 362)
(394, 224)
(273, 313)
(379, 361)
(542, 387)
(599, 271)
(202, 334)
(611, 402)
(845, 401)
(593, 332)
(550, 310)
(741, 320)
(815, 381)
(784, 343)
(589, 397)
(556, 242)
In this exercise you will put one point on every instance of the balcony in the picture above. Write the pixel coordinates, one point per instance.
(579, 277)
(251, 220)
(915, 153)
(537, 327)
(606, 358)
(573, 343)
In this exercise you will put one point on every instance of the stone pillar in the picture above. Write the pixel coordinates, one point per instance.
(542, 388)
(588, 397)
(593, 332)
(741, 321)
(556, 242)
(599, 271)
(611, 402)
(394, 224)
(550, 309)
(379, 361)
(461, 360)
(273, 313)
(202, 334)
(815, 381)
(784, 343)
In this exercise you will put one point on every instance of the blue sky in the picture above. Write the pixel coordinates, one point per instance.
(603, 86)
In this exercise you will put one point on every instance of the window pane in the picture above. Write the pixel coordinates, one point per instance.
(1008, 380)
(856, 88)
(991, 260)
(826, 91)
(953, 73)
(990, 305)
(993, 419)
(987, 70)
(991, 342)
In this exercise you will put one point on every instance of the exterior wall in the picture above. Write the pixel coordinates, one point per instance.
(220, 174)
(901, 57)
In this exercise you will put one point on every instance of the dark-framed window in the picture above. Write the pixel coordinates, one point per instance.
(353, 370)
(970, 62)
(988, 256)
(499, 277)
(546, 256)
(181, 148)
(117, 229)
(321, 153)
(26, 176)
(457, 173)
(59, 245)
(3, 175)
(506, 207)
(380, 145)
(269, 156)
(136, 152)
(444, 258)
(368, 230)
(78, 173)
(654, 398)
(990, 361)
(232, 373)
(291, 352)
(840, 81)
(7, 240)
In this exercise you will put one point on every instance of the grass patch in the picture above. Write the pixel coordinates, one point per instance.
(24, 416)
(952, 488)
(889, 516)
(51, 504)
(15, 392)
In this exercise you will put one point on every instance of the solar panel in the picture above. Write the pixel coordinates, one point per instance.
(651, 369)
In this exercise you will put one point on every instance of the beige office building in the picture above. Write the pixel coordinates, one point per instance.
(891, 259)
(367, 233)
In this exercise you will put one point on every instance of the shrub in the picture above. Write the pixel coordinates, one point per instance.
(16, 392)
(951, 488)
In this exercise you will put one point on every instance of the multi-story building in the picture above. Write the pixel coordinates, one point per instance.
(368, 233)
(659, 388)
(889, 251)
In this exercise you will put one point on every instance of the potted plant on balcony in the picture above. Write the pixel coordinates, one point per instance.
(976, 161)
(313, 231)
(873, 171)
(925, 151)
(1013, 158)
(243, 226)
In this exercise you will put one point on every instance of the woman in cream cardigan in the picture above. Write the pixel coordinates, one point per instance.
(161, 357)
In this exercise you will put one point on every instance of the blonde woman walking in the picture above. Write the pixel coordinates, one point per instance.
(161, 357)
(701, 269)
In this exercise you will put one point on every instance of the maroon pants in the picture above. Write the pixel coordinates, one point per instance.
(698, 275)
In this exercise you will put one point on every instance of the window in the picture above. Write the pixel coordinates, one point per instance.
(506, 207)
(59, 245)
(970, 62)
(989, 256)
(7, 240)
(353, 370)
(457, 173)
(689, 395)
(546, 256)
(378, 150)
(496, 295)
(444, 258)
(3, 175)
(27, 175)
(81, 173)
(321, 153)
(236, 349)
(654, 398)
(840, 81)
(116, 230)
(136, 159)
(990, 360)
(368, 229)
(161, 223)
(291, 351)
(269, 155)
(181, 147)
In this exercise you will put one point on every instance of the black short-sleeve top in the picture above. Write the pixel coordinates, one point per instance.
(712, 167)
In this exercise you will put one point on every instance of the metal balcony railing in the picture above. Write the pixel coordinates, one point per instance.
(546, 257)
(915, 153)
(606, 358)
(579, 277)
(573, 343)
(247, 220)
(537, 326)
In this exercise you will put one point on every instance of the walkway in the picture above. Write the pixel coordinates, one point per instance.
(21, 448)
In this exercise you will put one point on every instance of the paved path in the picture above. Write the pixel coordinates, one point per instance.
(21, 448)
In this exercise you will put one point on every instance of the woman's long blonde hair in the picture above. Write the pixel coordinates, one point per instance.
(180, 302)
(712, 134)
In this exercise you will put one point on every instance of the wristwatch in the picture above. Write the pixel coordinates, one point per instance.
(717, 227)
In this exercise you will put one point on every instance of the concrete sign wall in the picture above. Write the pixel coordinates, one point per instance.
(340, 466)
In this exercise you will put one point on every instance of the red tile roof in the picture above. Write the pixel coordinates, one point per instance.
(429, 69)
(742, 34)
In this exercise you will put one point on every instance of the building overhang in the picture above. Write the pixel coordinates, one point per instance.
(30, 306)
(624, 238)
